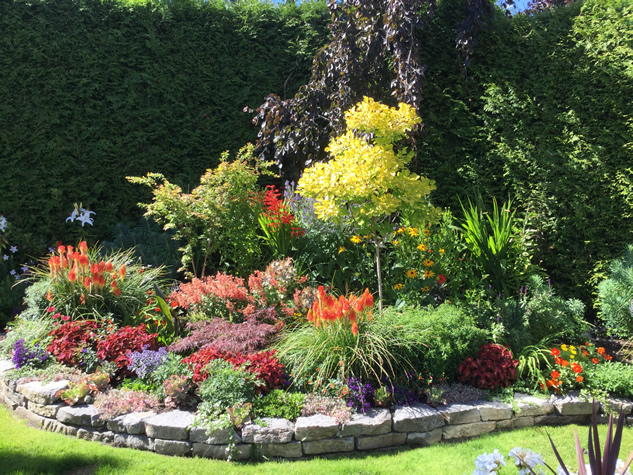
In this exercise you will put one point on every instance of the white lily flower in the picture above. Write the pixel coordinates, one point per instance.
(73, 216)
(85, 217)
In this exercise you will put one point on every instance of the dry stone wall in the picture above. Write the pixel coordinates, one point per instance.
(170, 433)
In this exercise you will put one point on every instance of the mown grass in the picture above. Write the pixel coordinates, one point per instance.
(25, 450)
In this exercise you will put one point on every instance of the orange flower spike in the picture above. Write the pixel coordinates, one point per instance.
(82, 299)
(117, 292)
(83, 247)
(49, 295)
(72, 275)
(61, 250)
(64, 262)
(84, 262)
(354, 328)
(87, 282)
(102, 266)
(108, 266)
(122, 271)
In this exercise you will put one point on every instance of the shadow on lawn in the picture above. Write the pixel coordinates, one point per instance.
(21, 461)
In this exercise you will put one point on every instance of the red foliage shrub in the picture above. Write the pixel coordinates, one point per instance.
(264, 365)
(246, 337)
(70, 338)
(491, 368)
(116, 346)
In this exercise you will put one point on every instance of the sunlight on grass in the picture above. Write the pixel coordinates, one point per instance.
(25, 450)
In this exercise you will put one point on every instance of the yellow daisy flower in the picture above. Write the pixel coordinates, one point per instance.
(398, 287)
(413, 232)
(421, 247)
(427, 232)
(341, 249)
(428, 263)
(426, 288)
(428, 274)
(356, 239)
(400, 230)
(412, 274)
(563, 347)
(441, 251)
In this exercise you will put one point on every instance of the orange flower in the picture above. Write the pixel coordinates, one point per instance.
(576, 368)
(595, 360)
(579, 378)
(555, 374)
(564, 363)
(550, 383)
(72, 275)
(600, 350)
(122, 271)
(61, 249)
(608, 357)
(49, 295)
(83, 247)
(82, 299)
(555, 351)
(108, 266)
(116, 292)
(84, 262)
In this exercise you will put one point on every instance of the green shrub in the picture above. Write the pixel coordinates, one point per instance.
(278, 403)
(31, 331)
(614, 377)
(615, 296)
(226, 386)
(444, 337)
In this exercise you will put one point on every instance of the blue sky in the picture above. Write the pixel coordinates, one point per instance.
(519, 5)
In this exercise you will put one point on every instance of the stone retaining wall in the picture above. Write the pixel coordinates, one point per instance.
(170, 433)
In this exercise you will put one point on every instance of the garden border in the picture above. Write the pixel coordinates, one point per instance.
(169, 433)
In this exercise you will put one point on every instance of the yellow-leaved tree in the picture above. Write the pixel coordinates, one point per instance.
(366, 182)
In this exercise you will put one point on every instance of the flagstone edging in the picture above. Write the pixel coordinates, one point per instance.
(170, 432)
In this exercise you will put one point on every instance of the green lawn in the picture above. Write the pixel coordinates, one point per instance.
(27, 450)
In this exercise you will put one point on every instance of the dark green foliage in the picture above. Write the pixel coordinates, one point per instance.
(544, 116)
(151, 245)
(92, 91)
(615, 295)
(278, 403)
(446, 336)
(226, 386)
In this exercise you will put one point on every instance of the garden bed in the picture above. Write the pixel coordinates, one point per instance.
(169, 433)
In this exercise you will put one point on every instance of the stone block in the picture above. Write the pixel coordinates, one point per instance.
(417, 418)
(328, 446)
(166, 447)
(557, 420)
(215, 437)
(467, 430)
(494, 411)
(39, 393)
(425, 439)
(617, 405)
(373, 422)
(459, 413)
(81, 415)
(173, 425)
(5, 365)
(221, 452)
(527, 421)
(272, 431)
(572, 405)
(16, 398)
(289, 450)
(105, 437)
(531, 406)
(138, 442)
(133, 423)
(371, 442)
(315, 427)
(49, 410)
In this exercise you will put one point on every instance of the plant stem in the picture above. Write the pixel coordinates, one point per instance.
(378, 272)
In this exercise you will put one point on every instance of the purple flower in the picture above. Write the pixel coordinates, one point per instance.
(145, 362)
(360, 395)
(24, 355)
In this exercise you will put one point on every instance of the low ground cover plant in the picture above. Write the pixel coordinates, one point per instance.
(298, 317)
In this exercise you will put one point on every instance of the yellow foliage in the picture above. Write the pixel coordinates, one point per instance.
(369, 173)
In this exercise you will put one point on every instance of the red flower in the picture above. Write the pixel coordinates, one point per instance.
(580, 379)
(576, 368)
(595, 360)
(441, 278)
(555, 374)
(555, 351)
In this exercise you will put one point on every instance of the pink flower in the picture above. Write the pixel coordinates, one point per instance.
(56, 315)
(50, 309)
(65, 318)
